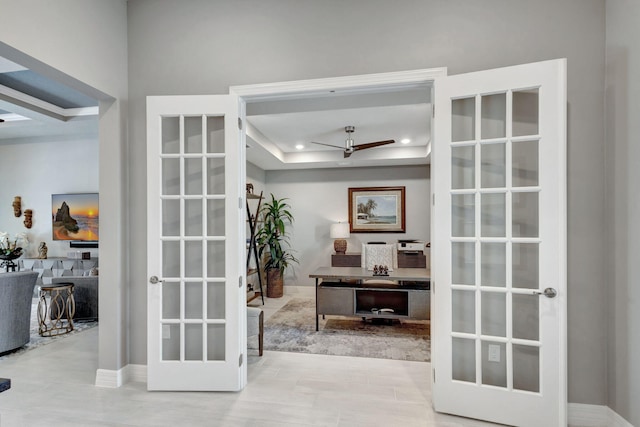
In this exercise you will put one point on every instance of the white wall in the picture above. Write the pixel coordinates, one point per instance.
(319, 198)
(204, 46)
(622, 201)
(35, 171)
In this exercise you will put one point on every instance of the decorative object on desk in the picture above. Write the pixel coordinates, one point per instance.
(340, 232)
(273, 241)
(292, 329)
(17, 206)
(377, 210)
(380, 270)
(28, 218)
(42, 250)
(249, 188)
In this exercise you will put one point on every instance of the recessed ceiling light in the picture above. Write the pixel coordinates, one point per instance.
(405, 141)
(299, 147)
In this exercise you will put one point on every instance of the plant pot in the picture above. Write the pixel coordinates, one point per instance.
(275, 283)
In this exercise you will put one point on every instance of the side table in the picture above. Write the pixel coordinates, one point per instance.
(56, 309)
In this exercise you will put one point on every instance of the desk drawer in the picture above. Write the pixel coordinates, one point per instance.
(335, 300)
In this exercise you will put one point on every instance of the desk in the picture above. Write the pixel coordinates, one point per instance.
(341, 291)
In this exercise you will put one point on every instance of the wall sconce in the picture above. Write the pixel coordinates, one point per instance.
(340, 232)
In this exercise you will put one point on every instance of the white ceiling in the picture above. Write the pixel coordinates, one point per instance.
(277, 127)
(33, 106)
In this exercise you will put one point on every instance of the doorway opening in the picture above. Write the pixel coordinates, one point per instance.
(287, 127)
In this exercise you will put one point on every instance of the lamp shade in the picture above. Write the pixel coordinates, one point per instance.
(339, 231)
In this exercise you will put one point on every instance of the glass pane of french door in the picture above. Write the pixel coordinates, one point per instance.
(495, 241)
(192, 241)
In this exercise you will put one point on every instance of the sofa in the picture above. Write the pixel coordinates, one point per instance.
(85, 294)
(16, 297)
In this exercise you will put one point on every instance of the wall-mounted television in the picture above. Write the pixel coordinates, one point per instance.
(75, 217)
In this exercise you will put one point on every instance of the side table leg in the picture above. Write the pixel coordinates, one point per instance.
(317, 321)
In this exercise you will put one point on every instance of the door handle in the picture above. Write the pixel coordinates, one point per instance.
(549, 293)
(154, 279)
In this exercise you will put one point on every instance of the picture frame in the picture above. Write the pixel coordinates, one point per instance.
(75, 217)
(377, 210)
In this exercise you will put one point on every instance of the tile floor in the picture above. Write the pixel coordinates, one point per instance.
(53, 385)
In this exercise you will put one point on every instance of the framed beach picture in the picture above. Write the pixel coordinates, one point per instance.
(377, 210)
(75, 217)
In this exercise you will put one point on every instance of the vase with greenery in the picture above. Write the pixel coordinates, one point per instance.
(273, 243)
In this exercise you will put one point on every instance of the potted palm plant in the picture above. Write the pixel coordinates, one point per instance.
(273, 242)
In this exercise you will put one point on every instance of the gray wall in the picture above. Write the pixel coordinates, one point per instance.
(83, 43)
(319, 198)
(622, 201)
(204, 46)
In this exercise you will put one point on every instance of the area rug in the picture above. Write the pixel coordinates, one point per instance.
(37, 341)
(292, 329)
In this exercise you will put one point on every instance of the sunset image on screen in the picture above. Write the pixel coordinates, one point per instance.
(75, 216)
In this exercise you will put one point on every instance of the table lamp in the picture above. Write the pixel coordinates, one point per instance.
(340, 232)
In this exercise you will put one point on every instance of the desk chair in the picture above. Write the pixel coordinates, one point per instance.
(379, 254)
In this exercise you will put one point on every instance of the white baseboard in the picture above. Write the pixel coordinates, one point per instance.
(116, 378)
(109, 378)
(595, 416)
(137, 373)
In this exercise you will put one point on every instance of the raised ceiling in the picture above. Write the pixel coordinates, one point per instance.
(279, 132)
(33, 106)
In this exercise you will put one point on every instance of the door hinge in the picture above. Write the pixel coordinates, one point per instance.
(240, 360)
(239, 202)
(433, 197)
(434, 375)
(433, 110)
(239, 281)
(239, 123)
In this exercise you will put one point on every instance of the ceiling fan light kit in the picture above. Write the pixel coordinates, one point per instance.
(349, 147)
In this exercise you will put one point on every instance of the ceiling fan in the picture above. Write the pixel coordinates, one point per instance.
(350, 147)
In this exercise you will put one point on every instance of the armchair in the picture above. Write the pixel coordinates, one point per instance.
(16, 291)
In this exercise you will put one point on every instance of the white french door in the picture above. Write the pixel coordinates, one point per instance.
(196, 304)
(499, 245)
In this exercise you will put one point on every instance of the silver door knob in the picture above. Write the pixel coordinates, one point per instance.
(549, 293)
(154, 279)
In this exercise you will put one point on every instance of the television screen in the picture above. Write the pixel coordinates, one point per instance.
(75, 216)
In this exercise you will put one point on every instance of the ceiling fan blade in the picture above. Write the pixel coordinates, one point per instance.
(328, 145)
(372, 144)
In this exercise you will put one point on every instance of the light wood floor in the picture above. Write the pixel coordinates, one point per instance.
(54, 385)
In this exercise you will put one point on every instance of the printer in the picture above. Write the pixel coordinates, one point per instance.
(411, 246)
